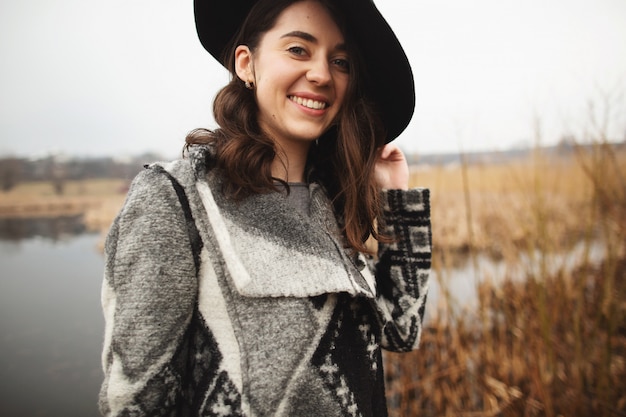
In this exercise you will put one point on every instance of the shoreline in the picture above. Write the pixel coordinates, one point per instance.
(48, 206)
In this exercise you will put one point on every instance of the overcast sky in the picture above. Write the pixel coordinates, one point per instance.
(115, 77)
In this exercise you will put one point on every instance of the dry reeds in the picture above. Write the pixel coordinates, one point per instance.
(548, 337)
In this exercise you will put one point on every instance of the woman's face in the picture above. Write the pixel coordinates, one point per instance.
(300, 71)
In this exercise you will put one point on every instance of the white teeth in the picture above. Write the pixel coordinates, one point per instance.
(311, 104)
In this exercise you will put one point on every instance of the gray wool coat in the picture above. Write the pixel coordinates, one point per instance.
(250, 308)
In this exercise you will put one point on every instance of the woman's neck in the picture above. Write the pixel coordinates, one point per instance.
(290, 162)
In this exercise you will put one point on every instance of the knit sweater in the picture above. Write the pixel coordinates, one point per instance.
(215, 307)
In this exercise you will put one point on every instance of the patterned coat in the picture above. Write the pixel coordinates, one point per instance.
(250, 308)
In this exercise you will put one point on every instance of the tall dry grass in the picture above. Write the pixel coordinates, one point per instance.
(548, 335)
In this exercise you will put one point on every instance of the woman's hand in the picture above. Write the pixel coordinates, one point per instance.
(391, 170)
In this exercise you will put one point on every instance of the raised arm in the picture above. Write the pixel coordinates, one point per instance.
(403, 266)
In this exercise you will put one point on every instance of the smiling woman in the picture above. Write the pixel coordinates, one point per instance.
(300, 73)
(239, 280)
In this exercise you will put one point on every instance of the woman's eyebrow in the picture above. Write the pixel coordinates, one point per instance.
(309, 38)
(302, 35)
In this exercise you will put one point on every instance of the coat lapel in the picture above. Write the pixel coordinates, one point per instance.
(272, 250)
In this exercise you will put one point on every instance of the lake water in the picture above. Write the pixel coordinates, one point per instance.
(50, 320)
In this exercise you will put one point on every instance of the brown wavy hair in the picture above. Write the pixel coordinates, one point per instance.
(342, 159)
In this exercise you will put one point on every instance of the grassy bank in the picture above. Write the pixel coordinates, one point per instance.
(548, 335)
(97, 201)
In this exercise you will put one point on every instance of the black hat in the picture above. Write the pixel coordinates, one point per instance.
(391, 79)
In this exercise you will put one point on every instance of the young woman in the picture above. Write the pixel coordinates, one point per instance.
(240, 280)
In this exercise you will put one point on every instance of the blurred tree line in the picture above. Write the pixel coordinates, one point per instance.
(59, 169)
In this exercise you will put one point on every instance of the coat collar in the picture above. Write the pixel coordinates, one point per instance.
(270, 249)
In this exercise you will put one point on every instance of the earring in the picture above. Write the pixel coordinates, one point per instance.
(249, 85)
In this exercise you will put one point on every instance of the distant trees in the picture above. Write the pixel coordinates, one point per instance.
(10, 173)
(57, 173)
(58, 170)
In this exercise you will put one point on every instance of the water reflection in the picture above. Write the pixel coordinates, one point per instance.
(55, 228)
(456, 289)
(51, 323)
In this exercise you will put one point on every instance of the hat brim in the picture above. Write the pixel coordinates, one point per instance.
(391, 84)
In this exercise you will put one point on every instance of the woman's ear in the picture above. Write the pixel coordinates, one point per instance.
(243, 64)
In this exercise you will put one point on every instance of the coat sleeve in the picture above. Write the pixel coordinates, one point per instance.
(403, 267)
(148, 298)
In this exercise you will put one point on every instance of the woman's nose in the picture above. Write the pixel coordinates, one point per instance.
(319, 73)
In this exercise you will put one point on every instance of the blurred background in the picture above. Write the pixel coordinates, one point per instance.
(519, 131)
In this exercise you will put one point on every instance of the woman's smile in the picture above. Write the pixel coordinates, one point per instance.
(309, 103)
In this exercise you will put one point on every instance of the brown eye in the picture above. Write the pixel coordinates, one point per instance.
(343, 64)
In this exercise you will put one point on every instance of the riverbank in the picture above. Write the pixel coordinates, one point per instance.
(97, 200)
